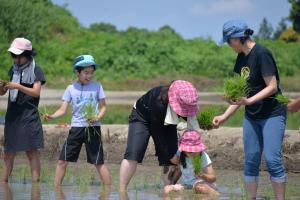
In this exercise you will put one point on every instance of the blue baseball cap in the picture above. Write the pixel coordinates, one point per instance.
(234, 29)
(84, 61)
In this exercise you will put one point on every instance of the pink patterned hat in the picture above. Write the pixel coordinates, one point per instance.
(183, 98)
(19, 45)
(191, 141)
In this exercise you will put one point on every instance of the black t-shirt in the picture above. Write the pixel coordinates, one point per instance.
(25, 102)
(257, 64)
(152, 107)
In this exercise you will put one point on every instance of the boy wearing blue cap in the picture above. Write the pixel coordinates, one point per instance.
(86, 97)
(265, 117)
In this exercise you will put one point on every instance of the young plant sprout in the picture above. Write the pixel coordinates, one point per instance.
(90, 113)
(205, 118)
(197, 160)
(235, 88)
(282, 99)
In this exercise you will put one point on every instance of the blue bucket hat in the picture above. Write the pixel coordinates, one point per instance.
(234, 29)
(84, 61)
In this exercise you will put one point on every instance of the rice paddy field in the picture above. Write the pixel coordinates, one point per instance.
(82, 182)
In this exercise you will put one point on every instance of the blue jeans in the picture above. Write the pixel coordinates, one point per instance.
(264, 136)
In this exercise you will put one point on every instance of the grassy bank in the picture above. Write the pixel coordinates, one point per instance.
(118, 114)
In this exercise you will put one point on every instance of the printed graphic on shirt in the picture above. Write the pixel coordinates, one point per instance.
(245, 72)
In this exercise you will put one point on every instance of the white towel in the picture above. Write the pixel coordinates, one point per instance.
(172, 118)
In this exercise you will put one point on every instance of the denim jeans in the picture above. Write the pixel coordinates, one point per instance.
(264, 136)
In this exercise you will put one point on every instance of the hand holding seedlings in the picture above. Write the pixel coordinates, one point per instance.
(47, 117)
(93, 119)
(235, 89)
(11, 85)
(205, 118)
(282, 99)
(3, 83)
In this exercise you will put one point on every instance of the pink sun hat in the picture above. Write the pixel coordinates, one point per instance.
(183, 98)
(191, 141)
(19, 45)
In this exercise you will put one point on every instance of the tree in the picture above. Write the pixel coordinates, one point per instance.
(103, 27)
(281, 27)
(295, 14)
(265, 30)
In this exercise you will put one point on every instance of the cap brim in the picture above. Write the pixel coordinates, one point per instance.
(15, 50)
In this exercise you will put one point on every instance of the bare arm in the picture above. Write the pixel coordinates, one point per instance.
(218, 120)
(270, 89)
(208, 174)
(34, 91)
(58, 113)
(294, 105)
(102, 104)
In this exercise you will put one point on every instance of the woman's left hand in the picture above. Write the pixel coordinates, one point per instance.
(12, 85)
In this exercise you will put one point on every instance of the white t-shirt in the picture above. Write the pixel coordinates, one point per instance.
(80, 95)
(188, 174)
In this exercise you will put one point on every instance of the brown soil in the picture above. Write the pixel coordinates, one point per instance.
(225, 146)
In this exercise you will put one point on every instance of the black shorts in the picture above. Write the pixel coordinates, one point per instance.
(91, 136)
(139, 131)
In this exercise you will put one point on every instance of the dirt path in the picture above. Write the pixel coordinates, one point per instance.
(53, 97)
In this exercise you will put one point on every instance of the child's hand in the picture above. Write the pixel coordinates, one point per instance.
(3, 83)
(199, 174)
(47, 117)
(93, 120)
(11, 85)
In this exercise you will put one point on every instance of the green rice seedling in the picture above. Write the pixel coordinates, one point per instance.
(22, 173)
(282, 99)
(235, 88)
(89, 111)
(205, 118)
(82, 184)
(197, 161)
(144, 182)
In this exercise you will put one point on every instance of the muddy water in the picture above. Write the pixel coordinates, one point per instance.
(82, 182)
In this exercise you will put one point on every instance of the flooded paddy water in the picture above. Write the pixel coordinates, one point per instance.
(82, 182)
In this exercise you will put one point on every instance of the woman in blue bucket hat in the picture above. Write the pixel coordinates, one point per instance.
(265, 117)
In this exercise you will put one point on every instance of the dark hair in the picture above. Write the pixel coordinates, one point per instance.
(183, 159)
(163, 95)
(29, 54)
(79, 68)
(248, 32)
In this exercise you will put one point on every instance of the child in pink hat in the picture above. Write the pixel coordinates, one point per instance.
(191, 145)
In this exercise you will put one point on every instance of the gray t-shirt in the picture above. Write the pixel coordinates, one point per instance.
(188, 174)
(80, 96)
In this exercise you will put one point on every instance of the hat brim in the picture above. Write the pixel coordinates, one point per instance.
(15, 50)
(194, 149)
